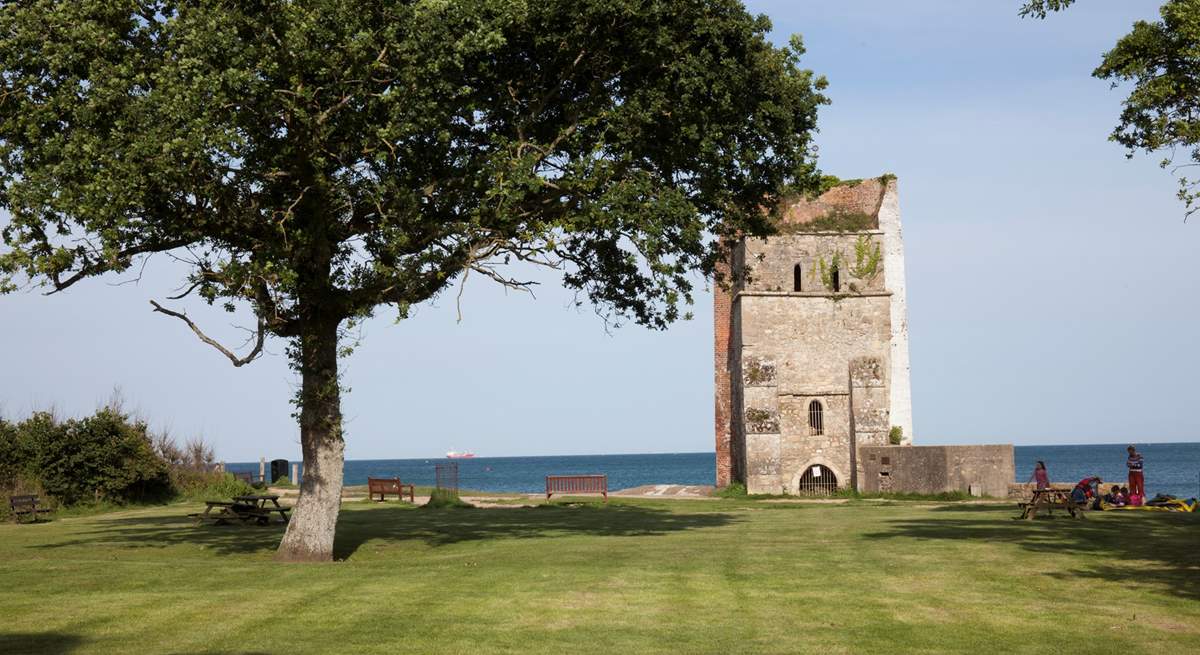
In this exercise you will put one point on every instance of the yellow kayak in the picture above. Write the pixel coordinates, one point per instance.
(1177, 505)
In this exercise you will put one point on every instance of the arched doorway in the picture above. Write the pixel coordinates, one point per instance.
(817, 480)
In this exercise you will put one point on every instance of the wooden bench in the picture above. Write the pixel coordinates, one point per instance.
(25, 505)
(245, 476)
(577, 484)
(385, 486)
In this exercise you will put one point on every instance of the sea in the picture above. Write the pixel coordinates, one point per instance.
(1171, 468)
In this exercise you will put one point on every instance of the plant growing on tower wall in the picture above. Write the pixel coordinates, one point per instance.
(312, 162)
(867, 256)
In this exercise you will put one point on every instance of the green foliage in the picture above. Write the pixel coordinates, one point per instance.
(837, 219)
(12, 454)
(283, 481)
(106, 456)
(214, 485)
(867, 255)
(824, 270)
(734, 490)
(105, 460)
(319, 159)
(1162, 111)
(896, 435)
(1040, 8)
(828, 182)
(446, 499)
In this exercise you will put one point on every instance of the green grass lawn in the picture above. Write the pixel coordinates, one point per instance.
(666, 576)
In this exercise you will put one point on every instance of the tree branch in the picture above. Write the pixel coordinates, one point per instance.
(95, 268)
(258, 346)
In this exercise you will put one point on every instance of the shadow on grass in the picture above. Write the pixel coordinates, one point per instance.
(1158, 548)
(444, 527)
(435, 527)
(51, 643)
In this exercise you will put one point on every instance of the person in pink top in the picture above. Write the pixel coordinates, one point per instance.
(1040, 476)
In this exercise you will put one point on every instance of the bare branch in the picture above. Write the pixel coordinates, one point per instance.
(187, 292)
(258, 346)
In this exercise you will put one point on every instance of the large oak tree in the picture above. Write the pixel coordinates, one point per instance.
(317, 160)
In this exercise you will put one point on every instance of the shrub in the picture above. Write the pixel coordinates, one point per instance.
(735, 490)
(896, 435)
(12, 455)
(200, 485)
(105, 456)
(283, 481)
(211, 485)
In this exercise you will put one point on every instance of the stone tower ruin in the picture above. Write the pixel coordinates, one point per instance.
(811, 350)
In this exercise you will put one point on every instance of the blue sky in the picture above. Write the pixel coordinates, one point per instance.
(1053, 284)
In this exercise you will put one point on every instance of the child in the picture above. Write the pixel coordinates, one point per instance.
(1040, 476)
(1125, 495)
(1113, 497)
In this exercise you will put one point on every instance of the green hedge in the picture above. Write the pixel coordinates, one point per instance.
(107, 458)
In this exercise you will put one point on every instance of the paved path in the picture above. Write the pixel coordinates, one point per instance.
(667, 491)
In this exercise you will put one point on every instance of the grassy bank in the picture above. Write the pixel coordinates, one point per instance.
(633, 576)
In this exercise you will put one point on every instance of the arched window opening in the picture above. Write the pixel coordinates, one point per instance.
(798, 278)
(818, 480)
(816, 418)
(836, 277)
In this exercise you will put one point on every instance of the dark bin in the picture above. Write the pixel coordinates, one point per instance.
(279, 469)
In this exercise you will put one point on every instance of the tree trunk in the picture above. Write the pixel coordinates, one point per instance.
(309, 536)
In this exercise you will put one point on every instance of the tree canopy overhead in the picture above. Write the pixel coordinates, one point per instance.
(316, 160)
(1162, 112)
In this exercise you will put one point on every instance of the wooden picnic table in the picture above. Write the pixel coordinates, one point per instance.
(243, 508)
(1048, 499)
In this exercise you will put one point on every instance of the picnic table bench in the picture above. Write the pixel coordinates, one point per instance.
(384, 486)
(577, 484)
(25, 505)
(1048, 499)
(246, 509)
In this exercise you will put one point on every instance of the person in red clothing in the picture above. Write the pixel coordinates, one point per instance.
(1086, 490)
(1137, 480)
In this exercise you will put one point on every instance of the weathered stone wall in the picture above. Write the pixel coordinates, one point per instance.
(869, 403)
(772, 262)
(797, 349)
(862, 197)
(811, 340)
(778, 349)
(937, 469)
(900, 400)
